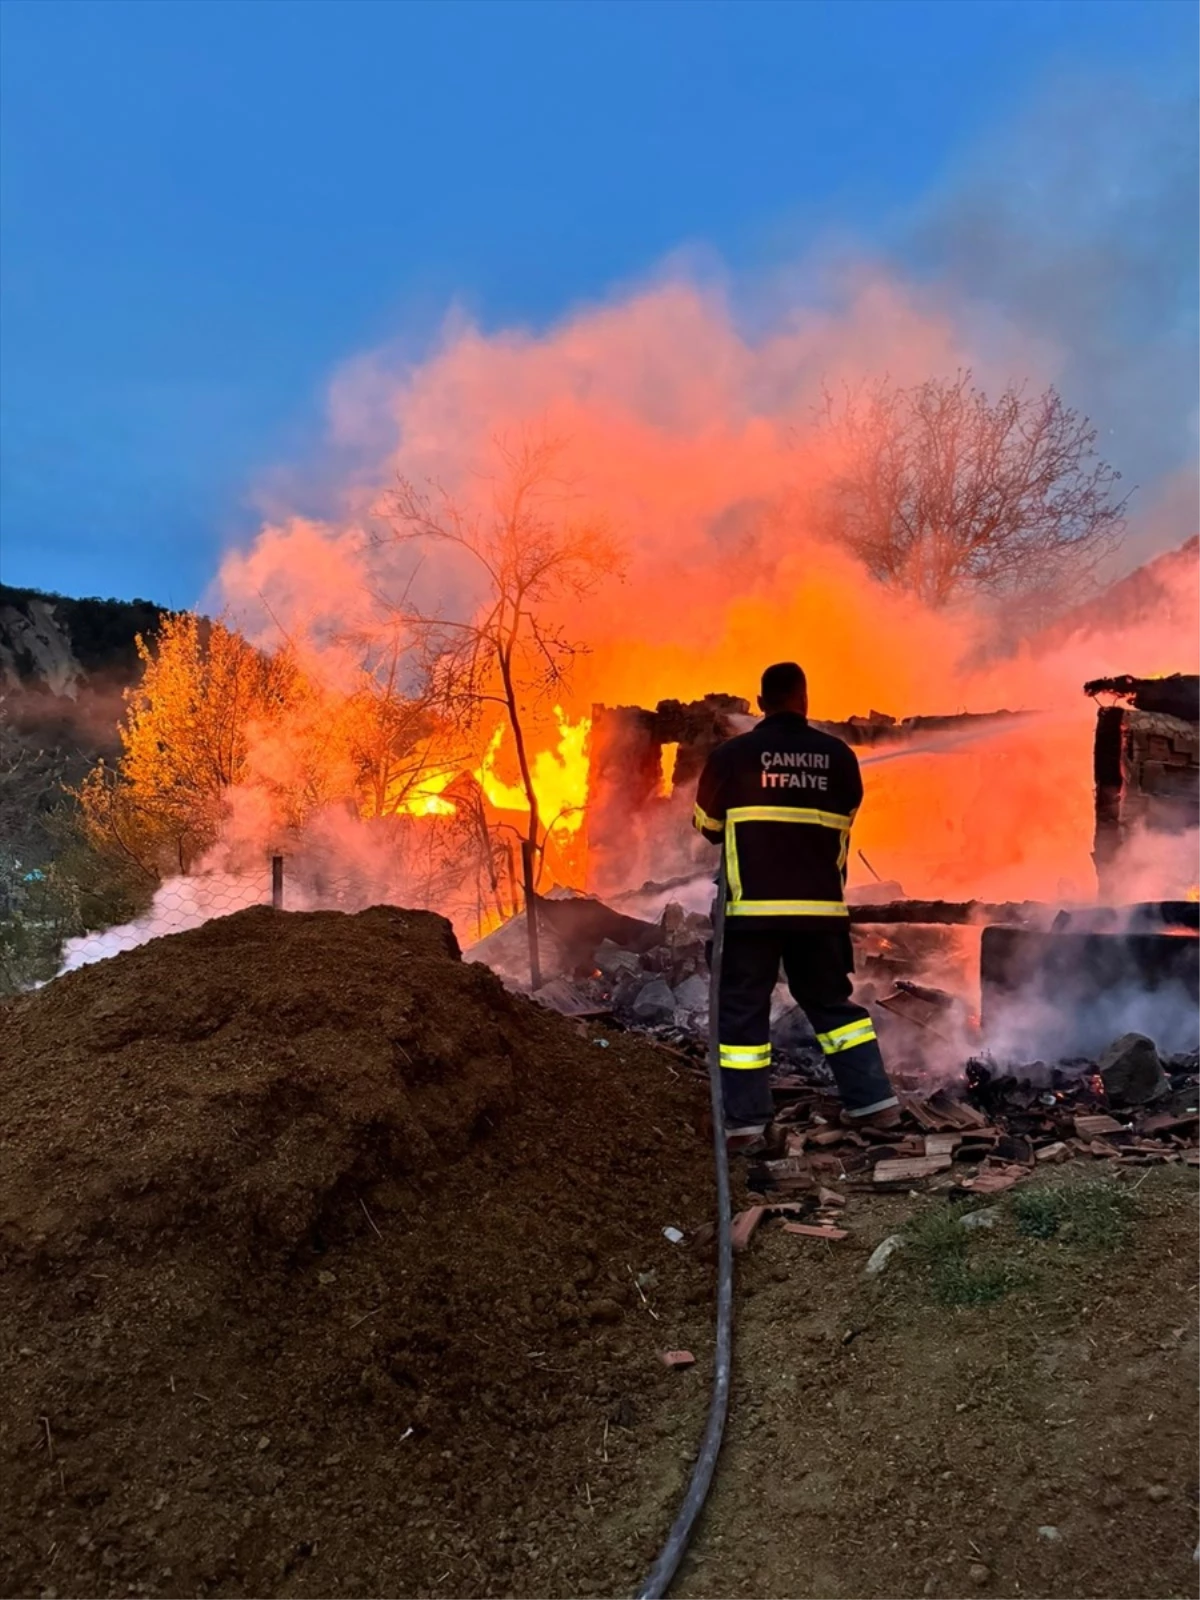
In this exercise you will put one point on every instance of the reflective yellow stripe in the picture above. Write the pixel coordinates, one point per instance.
(785, 908)
(820, 819)
(702, 820)
(745, 1057)
(845, 850)
(847, 1036)
(859, 1028)
(733, 870)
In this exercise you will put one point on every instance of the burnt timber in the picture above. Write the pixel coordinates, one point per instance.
(1176, 696)
(1146, 765)
(966, 913)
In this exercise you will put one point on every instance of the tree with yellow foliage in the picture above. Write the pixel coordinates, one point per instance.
(185, 741)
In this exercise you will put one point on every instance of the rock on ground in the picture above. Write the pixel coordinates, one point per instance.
(655, 1002)
(1131, 1071)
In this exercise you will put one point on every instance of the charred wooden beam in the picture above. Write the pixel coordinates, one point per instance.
(962, 912)
(979, 913)
(1175, 696)
(582, 924)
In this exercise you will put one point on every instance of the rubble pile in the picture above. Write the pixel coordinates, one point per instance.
(972, 1124)
(656, 981)
(666, 985)
(991, 1131)
(654, 977)
(601, 962)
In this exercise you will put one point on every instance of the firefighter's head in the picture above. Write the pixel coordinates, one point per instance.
(784, 688)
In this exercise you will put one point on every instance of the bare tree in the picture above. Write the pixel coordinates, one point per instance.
(529, 551)
(489, 849)
(944, 492)
(399, 748)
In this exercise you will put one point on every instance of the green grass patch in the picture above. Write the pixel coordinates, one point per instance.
(1038, 1213)
(937, 1236)
(1094, 1216)
(959, 1281)
(947, 1257)
(951, 1265)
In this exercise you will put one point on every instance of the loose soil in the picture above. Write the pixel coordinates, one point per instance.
(332, 1268)
(883, 1445)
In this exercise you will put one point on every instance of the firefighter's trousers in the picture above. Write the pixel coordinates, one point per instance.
(818, 963)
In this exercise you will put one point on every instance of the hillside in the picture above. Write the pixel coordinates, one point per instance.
(53, 645)
(64, 667)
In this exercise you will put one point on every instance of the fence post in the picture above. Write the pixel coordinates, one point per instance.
(277, 882)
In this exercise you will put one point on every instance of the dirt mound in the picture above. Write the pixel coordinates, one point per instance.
(238, 1073)
(331, 1268)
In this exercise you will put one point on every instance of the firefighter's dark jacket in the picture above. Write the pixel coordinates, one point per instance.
(783, 797)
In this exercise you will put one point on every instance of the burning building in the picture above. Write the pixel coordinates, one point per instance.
(1059, 978)
(1147, 766)
(644, 765)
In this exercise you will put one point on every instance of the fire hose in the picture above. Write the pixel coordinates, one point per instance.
(672, 1552)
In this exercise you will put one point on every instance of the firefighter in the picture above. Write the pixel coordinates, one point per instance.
(782, 799)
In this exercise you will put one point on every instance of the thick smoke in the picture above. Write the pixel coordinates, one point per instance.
(697, 444)
(687, 418)
(1080, 1026)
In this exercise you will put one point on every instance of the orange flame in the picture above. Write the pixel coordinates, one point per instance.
(560, 776)
(666, 776)
(427, 800)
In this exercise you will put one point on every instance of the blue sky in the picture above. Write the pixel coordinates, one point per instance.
(207, 207)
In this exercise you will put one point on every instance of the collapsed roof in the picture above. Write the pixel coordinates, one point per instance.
(1175, 696)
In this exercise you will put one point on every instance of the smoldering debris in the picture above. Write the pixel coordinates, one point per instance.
(572, 928)
(1078, 1021)
(990, 1131)
(1064, 993)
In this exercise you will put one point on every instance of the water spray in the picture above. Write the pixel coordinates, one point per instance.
(948, 743)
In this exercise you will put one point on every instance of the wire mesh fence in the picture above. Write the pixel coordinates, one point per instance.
(51, 924)
(179, 904)
(303, 883)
